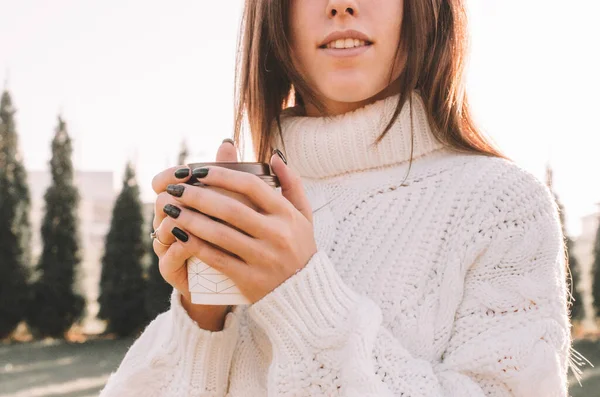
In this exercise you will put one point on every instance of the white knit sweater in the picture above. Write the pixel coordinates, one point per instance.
(449, 284)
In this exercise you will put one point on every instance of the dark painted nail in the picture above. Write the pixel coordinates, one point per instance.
(175, 190)
(172, 210)
(200, 172)
(229, 140)
(180, 234)
(182, 173)
(281, 156)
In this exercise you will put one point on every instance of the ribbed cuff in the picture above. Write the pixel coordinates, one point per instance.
(312, 309)
(205, 353)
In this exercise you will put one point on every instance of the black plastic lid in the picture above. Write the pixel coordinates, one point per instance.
(262, 170)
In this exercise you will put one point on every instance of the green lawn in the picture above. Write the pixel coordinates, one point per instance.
(77, 370)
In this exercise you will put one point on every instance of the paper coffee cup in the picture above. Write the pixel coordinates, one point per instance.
(207, 285)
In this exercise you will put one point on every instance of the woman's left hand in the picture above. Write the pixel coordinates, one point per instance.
(279, 237)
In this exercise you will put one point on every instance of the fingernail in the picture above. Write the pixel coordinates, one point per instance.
(175, 190)
(229, 140)
(180, 234)
(182, 173)
(172, 210)
(281, 156)
(200, 172)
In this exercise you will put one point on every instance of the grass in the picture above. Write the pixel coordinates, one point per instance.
(590, 380)
(59, 368)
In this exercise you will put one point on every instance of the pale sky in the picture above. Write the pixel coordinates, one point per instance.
(133, 78)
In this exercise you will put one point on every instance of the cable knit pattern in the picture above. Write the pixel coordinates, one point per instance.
(449, 282)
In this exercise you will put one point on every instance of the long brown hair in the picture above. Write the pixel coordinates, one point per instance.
(433, 38)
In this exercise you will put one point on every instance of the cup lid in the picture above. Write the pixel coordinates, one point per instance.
(263, 170)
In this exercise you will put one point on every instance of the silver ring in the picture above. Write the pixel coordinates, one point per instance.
(154, 236)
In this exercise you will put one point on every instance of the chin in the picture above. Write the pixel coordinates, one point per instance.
(348, 92)
(349, 87)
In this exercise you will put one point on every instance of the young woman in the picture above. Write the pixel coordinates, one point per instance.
(404, 256)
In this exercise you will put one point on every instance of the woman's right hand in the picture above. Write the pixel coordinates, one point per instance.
(172, 259)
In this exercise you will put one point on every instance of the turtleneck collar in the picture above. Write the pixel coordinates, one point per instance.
(322, 147)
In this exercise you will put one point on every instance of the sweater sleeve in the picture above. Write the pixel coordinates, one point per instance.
(174, 356)
(510, 335)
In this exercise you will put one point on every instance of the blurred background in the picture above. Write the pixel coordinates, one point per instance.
(99, 96)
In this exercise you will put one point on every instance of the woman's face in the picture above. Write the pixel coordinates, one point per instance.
(346, 49)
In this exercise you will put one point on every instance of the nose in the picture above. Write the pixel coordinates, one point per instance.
(339, 8)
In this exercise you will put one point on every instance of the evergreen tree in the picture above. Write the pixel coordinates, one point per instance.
(15, 229)
(577, 308)
(183, 154)
(158, 291)
(596, 273)
(573, 268)
(573, 273)
(122, 286)
(55, 306)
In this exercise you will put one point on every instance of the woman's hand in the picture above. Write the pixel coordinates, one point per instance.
(277, 239)
(172, 258)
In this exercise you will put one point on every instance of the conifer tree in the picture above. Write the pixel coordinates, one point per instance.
(596, 273)
(573, 269)
(183, 154)
(55, 306)
(158, 291)
(122, 286)
(15, 229)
